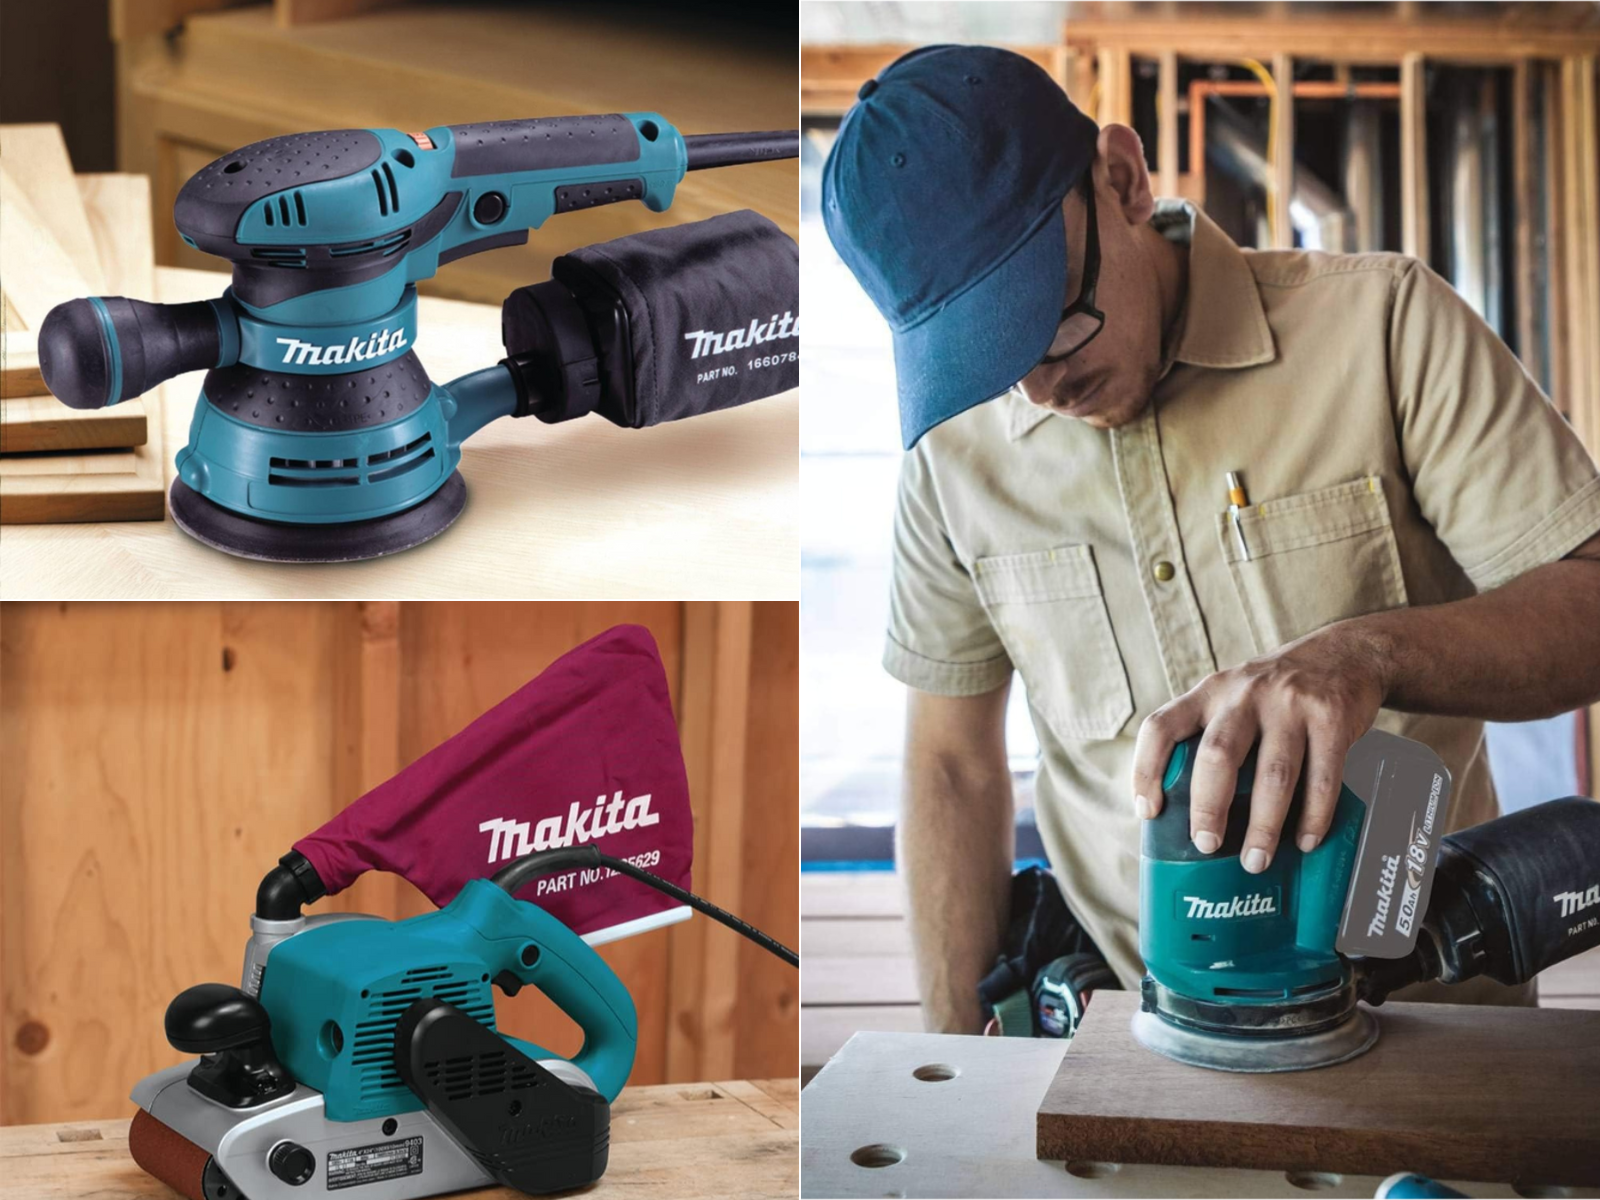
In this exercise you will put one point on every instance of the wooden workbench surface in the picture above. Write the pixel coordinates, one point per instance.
(699, 509)
(956, 1116)
(682, 1140)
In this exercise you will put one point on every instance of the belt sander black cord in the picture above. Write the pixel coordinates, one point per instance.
(512, 877)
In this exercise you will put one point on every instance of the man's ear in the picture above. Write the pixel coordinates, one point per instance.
(1122, 154)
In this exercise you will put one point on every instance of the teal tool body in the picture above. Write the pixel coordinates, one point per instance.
(361, 1052)
(1275, 931)
(336, 992)
(1279, 971)
(318, 434)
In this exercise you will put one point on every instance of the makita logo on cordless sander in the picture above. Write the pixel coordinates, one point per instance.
(778, 329)
(510, 839)
(1256, 904)
(377, 344)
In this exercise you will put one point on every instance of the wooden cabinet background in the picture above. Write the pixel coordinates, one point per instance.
(160, 757)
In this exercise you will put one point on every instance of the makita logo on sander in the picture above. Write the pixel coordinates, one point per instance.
(778, 329)
(1256, 904)
(509, 839)
(376, 345)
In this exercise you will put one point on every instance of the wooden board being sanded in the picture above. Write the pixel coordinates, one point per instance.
(1509, 1095)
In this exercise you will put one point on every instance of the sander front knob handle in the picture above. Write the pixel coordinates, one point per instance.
(233, 1035)
(212, 1017)
(100, 350)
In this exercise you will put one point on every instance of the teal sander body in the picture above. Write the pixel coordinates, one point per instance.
(365, 1053)
(318, 435)
(336, 994)
(1242, 970)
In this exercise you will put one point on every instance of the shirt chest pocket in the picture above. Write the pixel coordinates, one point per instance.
(1050, 613)
(1313, 559)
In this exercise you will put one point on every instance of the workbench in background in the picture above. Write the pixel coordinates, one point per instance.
(193, 84)
(935, 1115)
(692, 509)
(682, 1140)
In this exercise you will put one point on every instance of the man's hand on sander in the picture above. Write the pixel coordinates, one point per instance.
(1307, 704)
(1526, 650)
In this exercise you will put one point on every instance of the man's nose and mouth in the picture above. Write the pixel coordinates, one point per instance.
(1076, 396)
(1065, 391)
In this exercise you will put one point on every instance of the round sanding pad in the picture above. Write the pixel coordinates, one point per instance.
(348, 541)
(1258, 1055)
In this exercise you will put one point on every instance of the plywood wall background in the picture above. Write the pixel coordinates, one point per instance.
(160, 757)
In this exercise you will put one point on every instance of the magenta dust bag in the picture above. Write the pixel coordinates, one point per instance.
(587, 752)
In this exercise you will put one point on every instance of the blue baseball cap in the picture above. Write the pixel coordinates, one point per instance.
(943, 196)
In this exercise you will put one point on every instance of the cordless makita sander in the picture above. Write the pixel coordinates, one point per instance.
(318, 435)
(1269, 972)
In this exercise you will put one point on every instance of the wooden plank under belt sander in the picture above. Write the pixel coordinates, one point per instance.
(318, 436)
(1269, 972)
(362, 1053)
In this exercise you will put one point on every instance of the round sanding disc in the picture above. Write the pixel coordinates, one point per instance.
(1258, 1055)
(349, 541)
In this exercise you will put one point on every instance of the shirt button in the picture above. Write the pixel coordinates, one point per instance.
(1164, 571)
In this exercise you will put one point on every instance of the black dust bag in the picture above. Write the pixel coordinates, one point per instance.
(660, 325)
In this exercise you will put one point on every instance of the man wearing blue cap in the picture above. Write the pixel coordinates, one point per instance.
(1080, 367)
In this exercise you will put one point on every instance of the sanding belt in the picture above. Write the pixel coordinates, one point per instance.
(170, 1157)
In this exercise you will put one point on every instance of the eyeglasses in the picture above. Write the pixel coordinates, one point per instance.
(1081, 320)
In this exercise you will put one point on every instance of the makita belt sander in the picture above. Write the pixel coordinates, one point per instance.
(1269, 972)
(318, 435)
(362, 1051)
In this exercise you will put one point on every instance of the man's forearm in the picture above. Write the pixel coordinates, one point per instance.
(1527, 650)
(955, 846)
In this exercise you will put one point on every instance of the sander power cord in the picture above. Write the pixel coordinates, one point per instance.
(515, 875)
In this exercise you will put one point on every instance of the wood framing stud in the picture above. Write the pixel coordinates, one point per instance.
(1283, 152)
(1414, 228)
(1167, 127)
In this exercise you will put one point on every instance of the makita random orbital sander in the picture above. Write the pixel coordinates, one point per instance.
(318, 435)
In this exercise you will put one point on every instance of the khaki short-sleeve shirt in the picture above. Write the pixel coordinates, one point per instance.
(1394, 451)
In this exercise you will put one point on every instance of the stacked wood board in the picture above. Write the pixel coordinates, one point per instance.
(64, 236)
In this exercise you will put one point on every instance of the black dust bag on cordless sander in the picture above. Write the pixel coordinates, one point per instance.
(660, 325)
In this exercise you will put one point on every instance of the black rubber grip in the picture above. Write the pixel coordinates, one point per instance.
(592, 195)
(542, 144)
(731, 149)
(82, 361)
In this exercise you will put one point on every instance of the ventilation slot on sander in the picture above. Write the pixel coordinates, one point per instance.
(373, 1051)
(346, 472)
(488, 1074)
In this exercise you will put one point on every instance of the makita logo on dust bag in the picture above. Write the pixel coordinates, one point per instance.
(510, 839)
(1573, 903)
(758, 333)
(585, 752)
